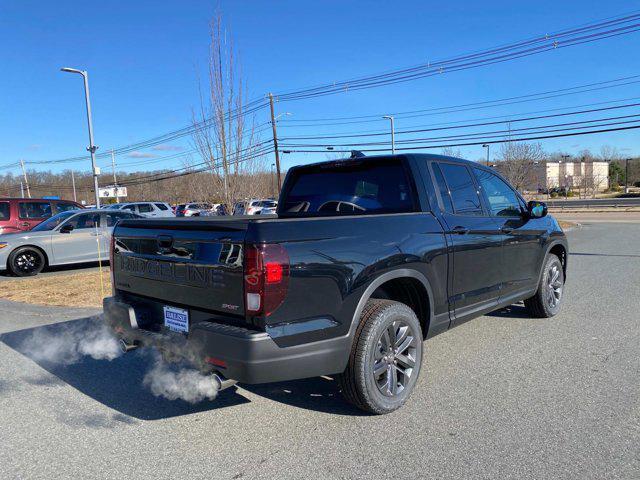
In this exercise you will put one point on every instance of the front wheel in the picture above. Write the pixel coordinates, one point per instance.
(548, 299)
(26, 262)
(385, 358)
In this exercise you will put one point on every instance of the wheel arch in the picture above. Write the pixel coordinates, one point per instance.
(560, 250)
(406, 285)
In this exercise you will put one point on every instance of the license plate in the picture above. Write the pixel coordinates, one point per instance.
(176, 319)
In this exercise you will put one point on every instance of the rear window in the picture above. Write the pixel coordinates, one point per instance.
(5, 212)
(34, 209)
(145, 208)
(349, 188)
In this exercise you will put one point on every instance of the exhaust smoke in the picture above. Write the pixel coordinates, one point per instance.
(178, 382)
(66, 344)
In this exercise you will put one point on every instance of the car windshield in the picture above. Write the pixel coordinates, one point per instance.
(53, 222)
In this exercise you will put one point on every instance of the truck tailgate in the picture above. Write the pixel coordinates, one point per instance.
(194, 264)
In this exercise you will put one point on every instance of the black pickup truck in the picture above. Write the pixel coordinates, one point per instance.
(365, 259)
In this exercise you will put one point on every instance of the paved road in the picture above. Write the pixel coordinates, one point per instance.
(503, 396)
(596, 202)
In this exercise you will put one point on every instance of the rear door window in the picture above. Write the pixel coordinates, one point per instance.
(161, 206)
(5, 211)
(34, 209)
(462, 189)
(442, 189)
(350, 187)
(145, 208)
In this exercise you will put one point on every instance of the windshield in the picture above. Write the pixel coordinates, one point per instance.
(53, 222)
(349, 188)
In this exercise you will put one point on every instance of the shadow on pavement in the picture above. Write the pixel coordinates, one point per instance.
(320, 394)
(62, 268)
(512, 311)
(118, 384)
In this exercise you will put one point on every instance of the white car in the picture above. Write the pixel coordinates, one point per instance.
(147, 209)
(253, 206)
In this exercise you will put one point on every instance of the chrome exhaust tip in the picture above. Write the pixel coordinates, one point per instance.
(223, 383)
(125, 347)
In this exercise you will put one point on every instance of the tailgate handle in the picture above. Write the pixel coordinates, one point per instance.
(165, 241)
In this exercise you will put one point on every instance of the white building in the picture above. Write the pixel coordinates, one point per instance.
(587, 175)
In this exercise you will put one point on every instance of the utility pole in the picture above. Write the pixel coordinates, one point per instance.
(626, 175)
(115, 180)
(393, 134)
(486, 145)
(73, 184)
(21, 189)
(275, 141)
(26, 182)
(92, 148)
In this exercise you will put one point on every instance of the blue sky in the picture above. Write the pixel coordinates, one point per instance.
(144, 57)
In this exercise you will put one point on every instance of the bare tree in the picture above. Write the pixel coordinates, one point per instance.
(451, 152)
(517, 161)
(224, 133)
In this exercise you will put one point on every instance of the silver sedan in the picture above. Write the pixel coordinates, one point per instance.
(75, 236)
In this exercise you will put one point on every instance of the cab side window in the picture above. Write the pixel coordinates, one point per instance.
(502, 200)
(442, 188)
(462, 189)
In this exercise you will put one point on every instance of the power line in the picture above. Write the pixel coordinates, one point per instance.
(432, 129)
(469, 106)
(576, 36)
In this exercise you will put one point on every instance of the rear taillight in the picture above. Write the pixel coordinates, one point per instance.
(112, 264)
(266, 278)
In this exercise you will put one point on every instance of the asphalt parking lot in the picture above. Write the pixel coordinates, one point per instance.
(503, 396)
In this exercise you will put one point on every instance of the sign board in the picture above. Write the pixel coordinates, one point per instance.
(112, 192)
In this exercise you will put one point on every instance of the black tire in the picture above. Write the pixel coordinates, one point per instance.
(547, 301)
(26, 262)
(360, 385)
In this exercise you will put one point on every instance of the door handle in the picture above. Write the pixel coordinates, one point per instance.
(460, 230)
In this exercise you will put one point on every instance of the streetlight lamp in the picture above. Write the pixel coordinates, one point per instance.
(393, 134)
(92, 148)
(486, 145)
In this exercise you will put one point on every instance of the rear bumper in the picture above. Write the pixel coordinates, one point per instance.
(238, 353)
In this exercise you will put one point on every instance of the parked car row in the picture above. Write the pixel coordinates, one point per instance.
(37, 233)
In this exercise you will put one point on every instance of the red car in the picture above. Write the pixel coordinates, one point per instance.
(20, 214)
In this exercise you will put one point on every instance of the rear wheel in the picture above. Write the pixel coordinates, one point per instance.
(26, 261)
(385, 358)
(548, 299)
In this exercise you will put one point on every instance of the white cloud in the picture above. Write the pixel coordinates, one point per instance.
(142, 155)
(167, 148)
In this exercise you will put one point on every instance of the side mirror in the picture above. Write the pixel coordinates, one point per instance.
(66, 228)
(536, 209)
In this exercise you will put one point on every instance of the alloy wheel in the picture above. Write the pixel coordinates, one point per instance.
(554, 285)
(27, 262)
(395, 358)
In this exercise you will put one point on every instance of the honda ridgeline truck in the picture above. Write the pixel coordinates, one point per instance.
(365, 259)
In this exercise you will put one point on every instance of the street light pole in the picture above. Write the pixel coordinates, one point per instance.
(486, 145)
(92, 148)
(115, 180)
(73, 184)
(393, 134)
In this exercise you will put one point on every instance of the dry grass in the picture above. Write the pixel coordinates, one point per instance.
(566, 225)
(69, 290)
